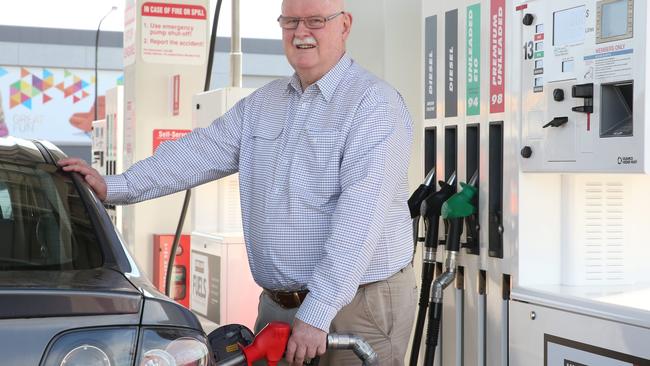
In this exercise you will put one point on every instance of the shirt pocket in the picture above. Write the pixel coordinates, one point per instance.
(268, 132)
(322, 145)
(315, 168)
(266, 140)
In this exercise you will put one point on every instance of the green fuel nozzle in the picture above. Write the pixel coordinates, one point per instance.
(455, 209)
(460, 205)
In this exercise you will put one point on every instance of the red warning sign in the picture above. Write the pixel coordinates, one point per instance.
(160, 136)
(186, 11)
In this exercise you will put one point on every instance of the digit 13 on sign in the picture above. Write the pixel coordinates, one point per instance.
(528, 50)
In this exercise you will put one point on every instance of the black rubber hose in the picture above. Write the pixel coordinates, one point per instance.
(455, 231)
(425, 291)
(213, 39)
(433, 332)
(188, 193)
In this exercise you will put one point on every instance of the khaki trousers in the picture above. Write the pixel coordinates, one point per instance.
(381, 312)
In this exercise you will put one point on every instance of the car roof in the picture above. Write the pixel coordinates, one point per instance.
(13, 149)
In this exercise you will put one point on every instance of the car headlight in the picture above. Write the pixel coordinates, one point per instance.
(173, 347)
(93, 347)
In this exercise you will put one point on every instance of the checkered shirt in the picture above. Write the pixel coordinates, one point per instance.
(323, 182)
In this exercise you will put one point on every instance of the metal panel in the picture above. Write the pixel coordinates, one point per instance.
(531, 322)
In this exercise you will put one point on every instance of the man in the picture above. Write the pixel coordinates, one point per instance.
(322, 160)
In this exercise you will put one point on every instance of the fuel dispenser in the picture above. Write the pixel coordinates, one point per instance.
(583, 158)
(546, 100)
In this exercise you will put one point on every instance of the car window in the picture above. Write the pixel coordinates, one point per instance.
(43, 222)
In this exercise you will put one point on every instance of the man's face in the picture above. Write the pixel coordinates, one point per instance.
(313, 52)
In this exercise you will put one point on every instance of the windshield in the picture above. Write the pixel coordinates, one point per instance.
(44, 224)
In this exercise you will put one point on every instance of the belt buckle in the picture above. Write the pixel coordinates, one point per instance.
(296, 298)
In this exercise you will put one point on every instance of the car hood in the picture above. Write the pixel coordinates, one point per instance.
(32, 294)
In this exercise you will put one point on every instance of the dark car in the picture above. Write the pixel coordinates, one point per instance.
(70, 293)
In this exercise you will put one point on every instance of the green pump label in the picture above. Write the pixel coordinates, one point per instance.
(473, 52)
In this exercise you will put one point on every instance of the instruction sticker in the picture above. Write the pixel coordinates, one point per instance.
(174, 33)
(451, 63)
(610, 62)
(430, 66)
(497, 56)
(473, 42)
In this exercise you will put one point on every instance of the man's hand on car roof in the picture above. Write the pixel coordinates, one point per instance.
(91, 176)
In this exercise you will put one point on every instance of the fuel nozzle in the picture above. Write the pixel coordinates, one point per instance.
(415, 201)
(472, 226)
(455, 209)
(431, 210)
(269, 345)
(421, 193)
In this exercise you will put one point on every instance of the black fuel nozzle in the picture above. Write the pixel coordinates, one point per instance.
(415, 201)
(455, 209)
(431, 210)
(421, 193)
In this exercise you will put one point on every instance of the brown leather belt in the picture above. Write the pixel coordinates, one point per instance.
(293, 299)
(287, 299)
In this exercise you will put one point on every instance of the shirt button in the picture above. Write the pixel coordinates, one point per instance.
(303, 105)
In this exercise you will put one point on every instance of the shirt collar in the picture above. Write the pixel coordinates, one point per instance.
(328, 83)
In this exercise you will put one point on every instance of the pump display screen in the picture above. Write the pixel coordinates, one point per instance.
(614, 19)
(569, 26)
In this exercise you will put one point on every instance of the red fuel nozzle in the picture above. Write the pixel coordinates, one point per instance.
(270, 344)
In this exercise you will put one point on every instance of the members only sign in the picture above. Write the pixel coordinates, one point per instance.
(174, 33)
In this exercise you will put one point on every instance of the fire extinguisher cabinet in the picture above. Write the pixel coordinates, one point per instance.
(162, 245)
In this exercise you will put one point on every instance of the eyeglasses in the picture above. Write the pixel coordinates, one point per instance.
(313, 22)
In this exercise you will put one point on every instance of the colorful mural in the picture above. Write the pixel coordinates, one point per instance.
(50, 103)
